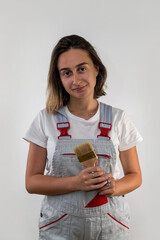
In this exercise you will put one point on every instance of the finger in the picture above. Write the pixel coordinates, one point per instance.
(96, 174)
(96, 163)
(107, 189)
(93, 169)
(110, 179)
(110, 183)
(99, 180)
(107, 192)
(97, 186)
(92, 174)
(109, 176)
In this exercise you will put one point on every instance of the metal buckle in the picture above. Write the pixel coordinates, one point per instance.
(105, 128)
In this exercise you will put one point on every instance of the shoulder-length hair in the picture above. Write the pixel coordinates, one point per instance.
(57, 95)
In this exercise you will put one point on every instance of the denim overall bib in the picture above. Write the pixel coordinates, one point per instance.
(83, 215)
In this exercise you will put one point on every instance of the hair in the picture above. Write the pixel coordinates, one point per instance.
(57, 95)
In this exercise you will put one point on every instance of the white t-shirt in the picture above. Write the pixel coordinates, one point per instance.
(43, 132)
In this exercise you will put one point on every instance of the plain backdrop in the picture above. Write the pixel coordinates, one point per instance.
(126, 35)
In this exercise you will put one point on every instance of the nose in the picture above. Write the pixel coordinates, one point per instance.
(76, 79)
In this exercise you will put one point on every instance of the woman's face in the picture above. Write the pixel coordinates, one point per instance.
(78, 73)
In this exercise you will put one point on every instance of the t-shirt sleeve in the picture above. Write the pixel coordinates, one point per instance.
(36, 131)
(128, 134)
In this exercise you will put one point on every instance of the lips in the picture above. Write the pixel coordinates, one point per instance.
(79, 88)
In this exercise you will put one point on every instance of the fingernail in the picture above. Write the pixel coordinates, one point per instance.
(108, 176)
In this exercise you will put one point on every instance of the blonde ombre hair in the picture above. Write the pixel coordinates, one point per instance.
(57, 95)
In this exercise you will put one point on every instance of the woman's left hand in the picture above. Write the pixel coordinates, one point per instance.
(109, 188)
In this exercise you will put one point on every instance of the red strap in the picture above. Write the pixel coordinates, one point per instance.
(97, 201)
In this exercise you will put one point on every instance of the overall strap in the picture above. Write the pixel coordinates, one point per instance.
(105, 123)
(62, 124)
(105, 126)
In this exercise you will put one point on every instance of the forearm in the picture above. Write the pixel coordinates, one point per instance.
(48, 185)
(127, 184)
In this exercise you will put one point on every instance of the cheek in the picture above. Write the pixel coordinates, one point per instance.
(66, 83)
(94, 80)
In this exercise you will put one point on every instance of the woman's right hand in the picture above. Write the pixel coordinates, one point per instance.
(91, 178)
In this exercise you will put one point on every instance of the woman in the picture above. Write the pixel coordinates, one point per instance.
(81, 203)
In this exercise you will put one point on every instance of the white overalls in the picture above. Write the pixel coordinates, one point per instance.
(83, 215)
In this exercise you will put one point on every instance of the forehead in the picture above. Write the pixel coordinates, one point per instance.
(73, 57)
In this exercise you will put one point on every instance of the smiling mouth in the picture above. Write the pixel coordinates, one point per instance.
(79, 88)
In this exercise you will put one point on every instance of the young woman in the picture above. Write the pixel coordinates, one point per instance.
(80, 202)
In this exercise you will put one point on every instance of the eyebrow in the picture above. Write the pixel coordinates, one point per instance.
(78, 65)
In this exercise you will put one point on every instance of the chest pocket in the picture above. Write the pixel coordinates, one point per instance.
(106, 155)
(65, 162)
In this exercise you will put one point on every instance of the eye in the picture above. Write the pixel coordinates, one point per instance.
(82, 69)
(66, 73)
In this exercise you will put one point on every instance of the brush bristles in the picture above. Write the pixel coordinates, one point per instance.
(85, 152)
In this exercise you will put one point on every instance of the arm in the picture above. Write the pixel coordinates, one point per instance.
(37, 182)
(132, 175)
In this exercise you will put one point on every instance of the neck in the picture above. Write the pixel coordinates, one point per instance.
(83, 108)
(82, 104)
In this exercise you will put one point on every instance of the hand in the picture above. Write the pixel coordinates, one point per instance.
(91, 178)
(109, 188)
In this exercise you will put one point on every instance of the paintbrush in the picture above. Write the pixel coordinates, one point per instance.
(86, 154)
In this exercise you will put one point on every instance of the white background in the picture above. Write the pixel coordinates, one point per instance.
(126, 35)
